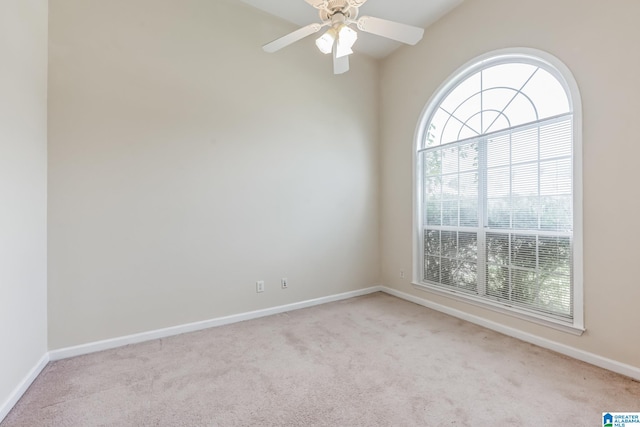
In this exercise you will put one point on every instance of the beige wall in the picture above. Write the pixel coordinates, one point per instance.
(599, 44)
(23, 198)
(185, 164)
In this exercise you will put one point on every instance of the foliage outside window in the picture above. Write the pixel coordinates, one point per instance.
(495, 184)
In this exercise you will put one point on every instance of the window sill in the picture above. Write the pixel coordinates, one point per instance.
(502, 309)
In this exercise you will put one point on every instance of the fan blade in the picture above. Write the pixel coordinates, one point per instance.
(340, 65)
(291, 38)
(392, 30)
(318, 4)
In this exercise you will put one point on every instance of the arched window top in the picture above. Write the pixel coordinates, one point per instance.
(496, 94)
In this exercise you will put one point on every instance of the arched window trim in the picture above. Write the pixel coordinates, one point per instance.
(563, 74)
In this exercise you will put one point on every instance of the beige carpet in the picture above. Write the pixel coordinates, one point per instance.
(368, 361)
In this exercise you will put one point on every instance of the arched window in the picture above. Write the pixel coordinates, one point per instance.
(498, 189)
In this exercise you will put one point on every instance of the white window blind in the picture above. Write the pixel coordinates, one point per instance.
(501, 204)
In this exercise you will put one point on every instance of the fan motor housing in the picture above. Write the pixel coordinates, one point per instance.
(338, 6)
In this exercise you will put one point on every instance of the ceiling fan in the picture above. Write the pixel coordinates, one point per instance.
(339, 15)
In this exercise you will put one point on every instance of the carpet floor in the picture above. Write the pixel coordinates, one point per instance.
(369, 361)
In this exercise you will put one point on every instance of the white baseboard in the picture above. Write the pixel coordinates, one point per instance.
(13, 398)
(585, 356)
(93, 347)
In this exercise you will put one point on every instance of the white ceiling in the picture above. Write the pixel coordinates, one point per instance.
(420, 13)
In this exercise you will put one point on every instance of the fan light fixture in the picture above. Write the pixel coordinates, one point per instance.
(345, 36)
(326, 41)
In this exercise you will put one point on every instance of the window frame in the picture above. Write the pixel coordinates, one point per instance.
(562, 73)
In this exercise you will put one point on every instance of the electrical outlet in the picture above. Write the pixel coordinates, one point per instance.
(284, 282)
(260, 286)
(402, 274)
